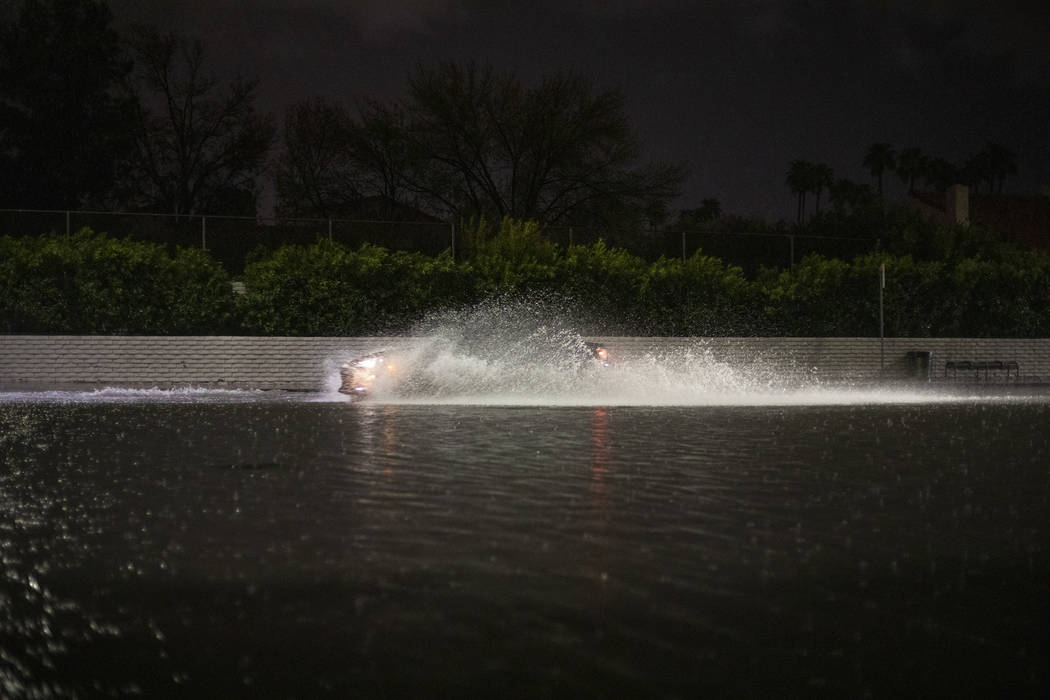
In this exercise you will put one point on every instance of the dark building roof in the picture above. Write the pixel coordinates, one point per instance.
(1023, 219)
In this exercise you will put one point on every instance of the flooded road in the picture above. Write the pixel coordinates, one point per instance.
(237, 544)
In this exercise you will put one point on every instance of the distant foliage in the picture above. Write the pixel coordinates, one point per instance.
(65, 121)
(204, 147)
(92, 284)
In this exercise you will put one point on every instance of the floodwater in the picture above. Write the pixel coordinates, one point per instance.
(203, 543)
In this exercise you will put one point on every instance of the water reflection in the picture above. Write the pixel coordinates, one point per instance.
(379, 433)
(331, 549)
(599, 455)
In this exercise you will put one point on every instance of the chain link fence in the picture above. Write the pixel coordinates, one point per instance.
(749, 250)
(230, 239)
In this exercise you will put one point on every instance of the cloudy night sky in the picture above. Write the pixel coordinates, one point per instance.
(736, 89)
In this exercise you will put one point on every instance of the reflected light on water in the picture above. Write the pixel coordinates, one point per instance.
(241, 544)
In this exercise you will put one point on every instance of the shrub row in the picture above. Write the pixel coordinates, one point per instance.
(90, 283)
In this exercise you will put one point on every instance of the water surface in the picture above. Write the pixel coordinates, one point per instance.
(244, 543)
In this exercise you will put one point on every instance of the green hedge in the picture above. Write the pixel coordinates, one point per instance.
(964, 298)
(329, 289)
(89, 283)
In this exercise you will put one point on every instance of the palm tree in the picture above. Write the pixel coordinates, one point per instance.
(847, 195)
(1000, 162)
(823, 177)
(800, 180)
(939, 174)
(910, 166)
(978, 171)
(710, 210)
(880, 158)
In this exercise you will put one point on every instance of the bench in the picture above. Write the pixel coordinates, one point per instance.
(977, 366)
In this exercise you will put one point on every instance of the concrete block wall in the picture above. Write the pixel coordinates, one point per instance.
(310, 364)
(148, 361)
(848, 359)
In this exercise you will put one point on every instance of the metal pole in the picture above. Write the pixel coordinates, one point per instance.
(204, 232)
(882, 333)
(683, 246)
(67, 222)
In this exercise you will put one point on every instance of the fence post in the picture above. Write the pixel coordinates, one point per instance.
(204, 232)
(329, 230)
(683, 245)
(452, 229)
(67, 222)
(791, 240)
(882, 328)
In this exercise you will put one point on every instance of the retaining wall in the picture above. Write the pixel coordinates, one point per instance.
(34, 361)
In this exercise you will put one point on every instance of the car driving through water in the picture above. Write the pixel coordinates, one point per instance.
(360, 377)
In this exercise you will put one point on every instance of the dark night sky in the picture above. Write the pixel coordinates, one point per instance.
(735, 88)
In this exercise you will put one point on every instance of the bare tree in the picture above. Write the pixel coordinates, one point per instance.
(383, 154)
(201, 149)
(473, 142)
(315, 174)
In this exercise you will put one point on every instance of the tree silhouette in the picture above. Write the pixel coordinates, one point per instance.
(804, 177)
(991, 165)
(911, 163)
(823, 177)
(384, 160)
(939, 173)
(479, 142)
(1003, 162)
(200, 151)
(800, 180)
(850, 197)
(64, 123)
(710, 210)
(315, 175)
(880, 158)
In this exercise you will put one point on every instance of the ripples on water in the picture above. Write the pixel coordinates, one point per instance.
(242, 543)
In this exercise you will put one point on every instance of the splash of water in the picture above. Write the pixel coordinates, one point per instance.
(527, 353)
(433, 371)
